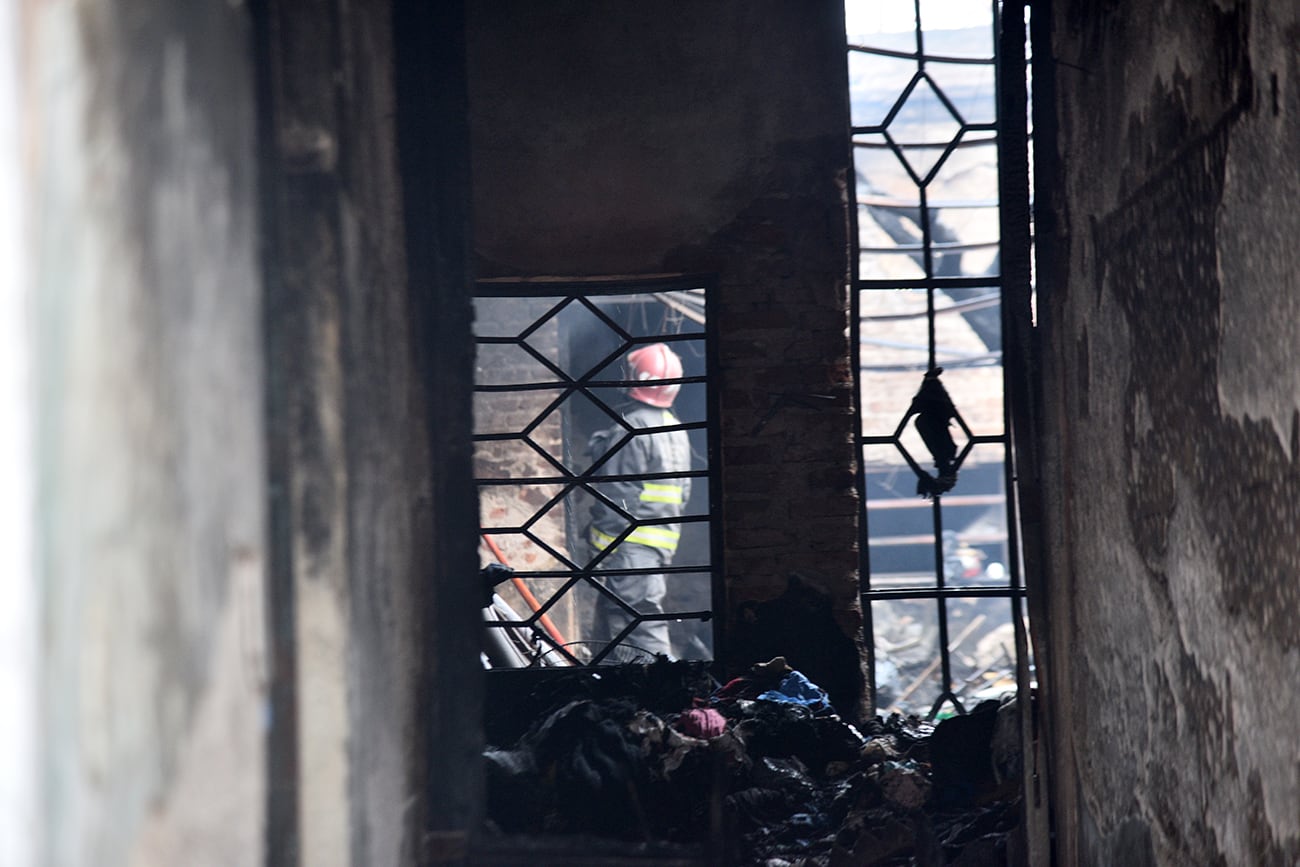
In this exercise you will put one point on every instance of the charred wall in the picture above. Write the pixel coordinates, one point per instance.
(1168, 295)
(705, 139)
(143, 259)
(251, 359)
(375, 611)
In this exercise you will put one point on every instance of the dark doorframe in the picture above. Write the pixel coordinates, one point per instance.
(365, 222)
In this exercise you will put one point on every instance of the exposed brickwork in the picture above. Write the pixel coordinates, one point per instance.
(787, 399)
(514, 505)
(743, 179)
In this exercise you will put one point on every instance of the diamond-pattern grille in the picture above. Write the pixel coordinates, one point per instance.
(924, 127)
(551, 373)
(937, 519)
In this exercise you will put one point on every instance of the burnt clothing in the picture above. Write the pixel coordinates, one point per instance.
(632, 501)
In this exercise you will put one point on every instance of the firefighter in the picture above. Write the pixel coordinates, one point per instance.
(647, 546)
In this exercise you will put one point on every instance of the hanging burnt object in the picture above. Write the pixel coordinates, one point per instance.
(934, 416)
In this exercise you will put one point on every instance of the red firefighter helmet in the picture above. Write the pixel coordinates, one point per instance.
(655, 361)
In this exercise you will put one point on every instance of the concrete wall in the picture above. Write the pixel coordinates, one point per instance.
(139, 158)
(640, 138)
(1169, 294)
(251, 361)
(375, 606)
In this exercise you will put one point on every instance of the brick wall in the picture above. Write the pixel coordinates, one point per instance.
(499, 412)
(720, 150)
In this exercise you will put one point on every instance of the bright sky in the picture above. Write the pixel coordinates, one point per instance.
(862, 17)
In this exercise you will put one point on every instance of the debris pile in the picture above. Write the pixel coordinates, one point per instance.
(758, 771)
(981, 645)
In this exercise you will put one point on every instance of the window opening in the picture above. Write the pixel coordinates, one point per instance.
(593, 438)
(941, 577)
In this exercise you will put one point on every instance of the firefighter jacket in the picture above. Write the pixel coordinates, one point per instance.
(632, 453)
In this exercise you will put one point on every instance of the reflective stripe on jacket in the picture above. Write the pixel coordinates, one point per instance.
(640, 454)
(654, 492)
(654, 537)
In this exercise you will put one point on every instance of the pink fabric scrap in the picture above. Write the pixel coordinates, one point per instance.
(702, 723)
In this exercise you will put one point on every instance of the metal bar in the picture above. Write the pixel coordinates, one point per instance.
(940, 246)
(927, 539)
(902, 205)
(551, 600)
(926, 253)
(609, 322)
(539, 321)
(1021, 381)
(582, 385)
(661, 290)
(514, 435)
(648, 522)
(980, 303)
(996, 592)
(897, 150)
(917, 145)
(948, 103)
(925, 283)
(540, 543)
(925, 581)
(953, 500)
(532, 620)
(921, 678)
(684, 569)
(991, 360)
(584, 478)
(686, 426)
(948, 352)
(675, 615)
(927, 58)
(920, 35)
(713, 448)
(899, 103)
(859, 477)
(568, 384)
(945, 661)
(943, 158)
(583, 287)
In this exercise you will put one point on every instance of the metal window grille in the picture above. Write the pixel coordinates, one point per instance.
(551, 372)
(935, 267)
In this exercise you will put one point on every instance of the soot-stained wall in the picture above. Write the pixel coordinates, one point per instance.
(1171, 304)
(140, 156)
(375, 613)
(251, 361)
(709, 139)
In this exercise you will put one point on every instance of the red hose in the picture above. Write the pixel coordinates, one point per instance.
(526, 593)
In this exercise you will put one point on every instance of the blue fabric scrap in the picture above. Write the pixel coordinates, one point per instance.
(794, 688)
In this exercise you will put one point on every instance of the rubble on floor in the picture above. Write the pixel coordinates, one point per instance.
(981, 644)
(761, 769)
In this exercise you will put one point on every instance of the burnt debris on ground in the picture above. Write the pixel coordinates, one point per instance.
(761, 770)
